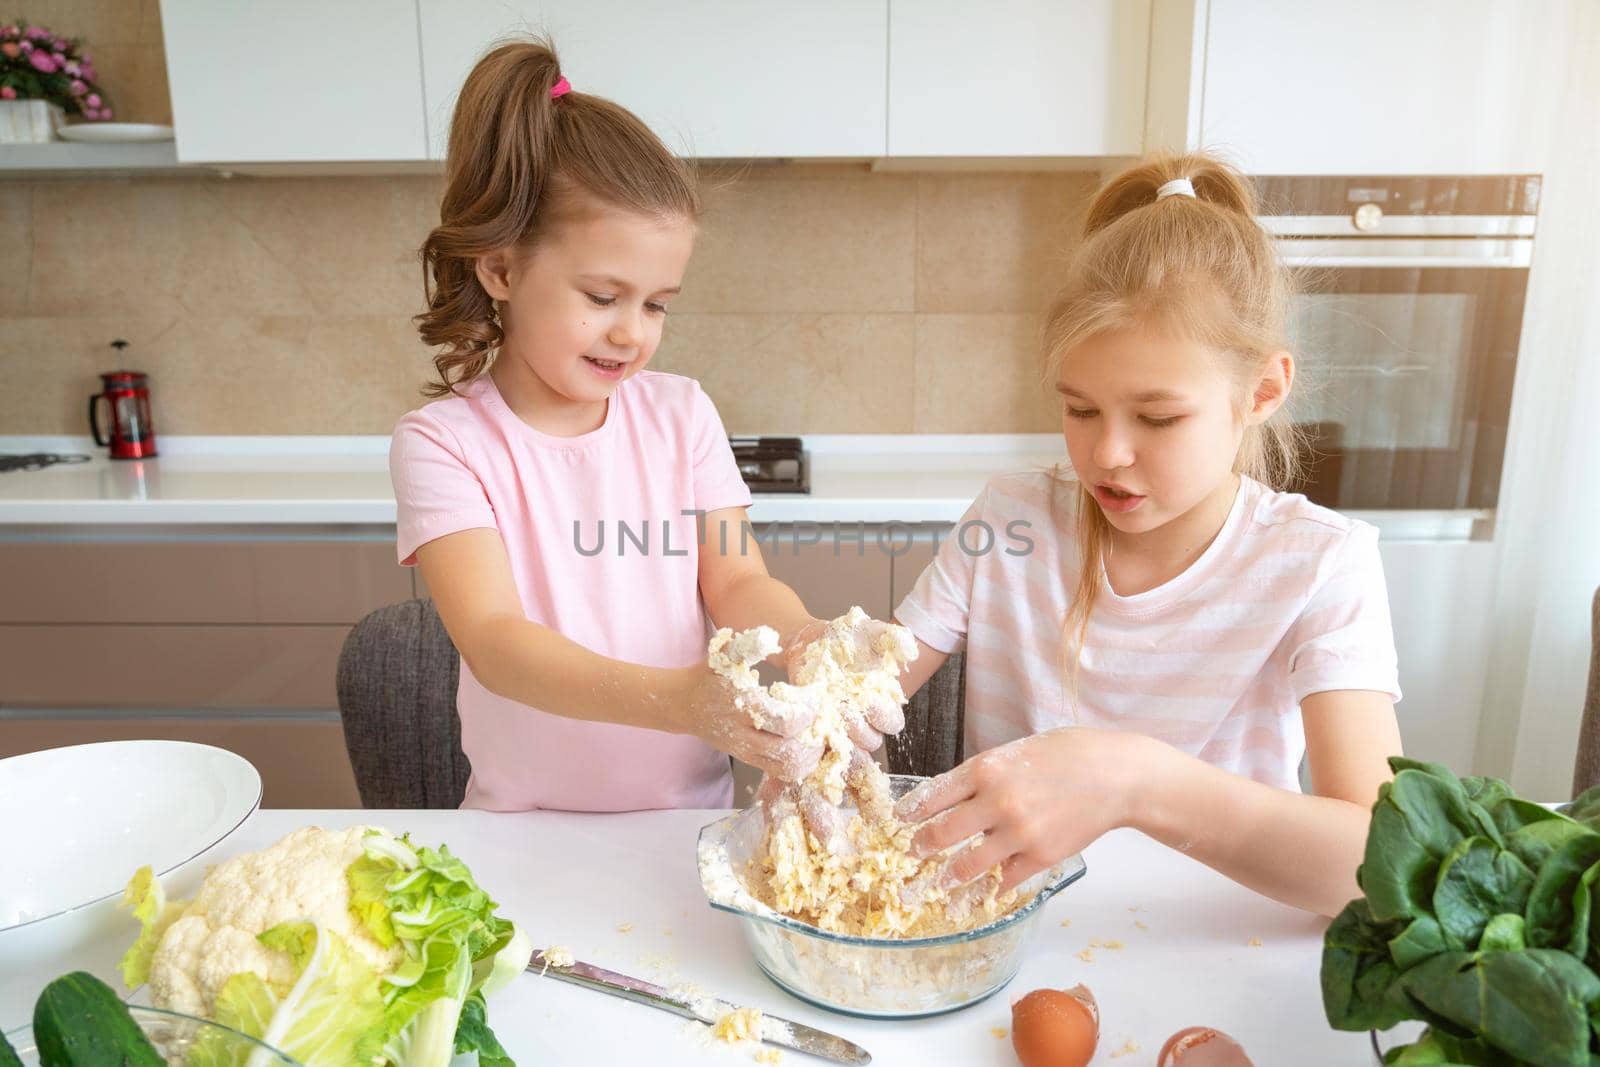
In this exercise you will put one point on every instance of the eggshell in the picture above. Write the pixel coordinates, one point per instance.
(1055, 1027)
(1201, 1046)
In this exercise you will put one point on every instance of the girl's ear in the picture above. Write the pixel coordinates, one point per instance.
(494, 273)
(1273, 388)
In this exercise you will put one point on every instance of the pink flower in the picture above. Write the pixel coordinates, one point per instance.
(78, 88)
(10, 50)
(59, 57)
(7, 93)
(42, 62)
(105, 113)
(26, 46)
(87, 58)
(93, 100)
(10, 31)
(36, 32)
(73, 69)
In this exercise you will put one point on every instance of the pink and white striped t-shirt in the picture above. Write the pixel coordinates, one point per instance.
(1288, 600)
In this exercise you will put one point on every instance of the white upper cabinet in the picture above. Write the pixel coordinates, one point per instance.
(294, 80)
(1380, 87)
(755, 78)
(1017, 77)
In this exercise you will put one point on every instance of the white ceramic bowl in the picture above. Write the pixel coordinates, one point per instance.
(79, 821)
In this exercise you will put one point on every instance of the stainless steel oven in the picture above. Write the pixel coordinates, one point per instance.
(1406, 330)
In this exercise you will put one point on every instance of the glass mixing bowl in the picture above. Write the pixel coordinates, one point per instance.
(870, 977)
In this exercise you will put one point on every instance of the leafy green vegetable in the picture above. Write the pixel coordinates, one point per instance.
(8, 1055)
(473, 1035)
(448, 950)
(155, 913)
(1479, 917)
(426, 900)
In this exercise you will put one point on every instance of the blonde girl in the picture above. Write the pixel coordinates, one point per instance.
(1183, 630)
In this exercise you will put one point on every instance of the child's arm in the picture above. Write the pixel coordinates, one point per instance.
(1048, 796)
(470, 579)
(738, 591)
(1300, 849)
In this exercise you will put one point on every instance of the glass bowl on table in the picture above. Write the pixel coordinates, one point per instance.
(182, 1040)
(880, 978)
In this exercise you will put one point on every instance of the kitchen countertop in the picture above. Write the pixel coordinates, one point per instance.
(344, 481)
(1208, 952)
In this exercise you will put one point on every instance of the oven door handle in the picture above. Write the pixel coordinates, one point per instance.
(1341, 252)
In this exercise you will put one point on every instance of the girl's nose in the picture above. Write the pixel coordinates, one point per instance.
(1112, 449)
(627, 330)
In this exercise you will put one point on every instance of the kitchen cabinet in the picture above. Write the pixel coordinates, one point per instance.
(1361, 87)
(228, 643)
(294, 80)
(713, 79)
(1017, 77)
(302, 761)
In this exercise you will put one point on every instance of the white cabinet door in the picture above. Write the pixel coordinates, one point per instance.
(294, 80)
(1378, 87)
(757, 78)
(1017, 77)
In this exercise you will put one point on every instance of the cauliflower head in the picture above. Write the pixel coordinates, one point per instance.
(216, 937)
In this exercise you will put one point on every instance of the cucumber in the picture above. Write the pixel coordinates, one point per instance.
(79, 1021)
(8, 1055)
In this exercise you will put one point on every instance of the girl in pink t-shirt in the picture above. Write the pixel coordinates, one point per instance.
(575, 516)
(1155, 640)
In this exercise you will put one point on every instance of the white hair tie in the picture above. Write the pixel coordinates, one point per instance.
(1176, 187)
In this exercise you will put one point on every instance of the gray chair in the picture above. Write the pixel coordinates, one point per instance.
(935, 719)
(397, 700)
(1586, 768)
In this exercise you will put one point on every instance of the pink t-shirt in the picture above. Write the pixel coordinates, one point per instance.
(1288, 600)
(469, 462)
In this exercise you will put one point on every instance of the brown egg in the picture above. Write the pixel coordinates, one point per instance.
(1201, 1046)
(1055, 1027)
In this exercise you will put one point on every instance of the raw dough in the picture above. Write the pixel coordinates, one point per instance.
(864, 881)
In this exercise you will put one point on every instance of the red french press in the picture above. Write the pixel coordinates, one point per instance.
(127, 393)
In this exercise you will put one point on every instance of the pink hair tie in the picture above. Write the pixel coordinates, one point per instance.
(560, 88)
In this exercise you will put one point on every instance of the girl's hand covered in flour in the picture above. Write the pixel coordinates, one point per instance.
(829, 823)
(864, 645)
(726, 716)
(1028, 804)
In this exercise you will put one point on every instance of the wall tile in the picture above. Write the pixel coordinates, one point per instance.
(793, 244)
(16, 246)
(980, 374)
(798, 373)
(995, 242)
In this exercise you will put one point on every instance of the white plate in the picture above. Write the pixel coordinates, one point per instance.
(79, 822)
(100, 132)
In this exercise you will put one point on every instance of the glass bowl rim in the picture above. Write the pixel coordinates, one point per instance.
(146, 1010)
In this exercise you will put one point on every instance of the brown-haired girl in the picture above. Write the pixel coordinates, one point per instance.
(564, 233)
(1183, 631)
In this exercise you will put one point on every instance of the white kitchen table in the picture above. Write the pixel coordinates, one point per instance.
(573, 880)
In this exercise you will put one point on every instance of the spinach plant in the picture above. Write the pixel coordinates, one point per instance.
(1480, 916)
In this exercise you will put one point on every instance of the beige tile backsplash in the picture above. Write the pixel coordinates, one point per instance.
(821, 299)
